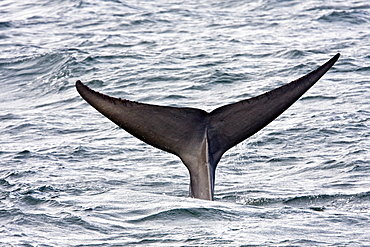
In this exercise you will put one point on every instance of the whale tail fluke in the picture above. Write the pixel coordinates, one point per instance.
(197, 137)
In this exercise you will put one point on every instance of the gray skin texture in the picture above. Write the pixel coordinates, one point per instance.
(197, 137)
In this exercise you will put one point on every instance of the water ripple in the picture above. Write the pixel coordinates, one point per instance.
(70, 177)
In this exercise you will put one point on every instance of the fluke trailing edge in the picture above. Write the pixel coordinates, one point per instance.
(200, 138)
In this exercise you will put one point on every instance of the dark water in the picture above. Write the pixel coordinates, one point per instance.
(69, 177)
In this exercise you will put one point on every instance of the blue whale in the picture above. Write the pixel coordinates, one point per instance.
(197, 137)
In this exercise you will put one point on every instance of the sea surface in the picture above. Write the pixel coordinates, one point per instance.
(70, 177)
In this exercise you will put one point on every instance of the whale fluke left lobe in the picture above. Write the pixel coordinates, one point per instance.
(173, 129)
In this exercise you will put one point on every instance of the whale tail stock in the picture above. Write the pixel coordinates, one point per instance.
(197, 137)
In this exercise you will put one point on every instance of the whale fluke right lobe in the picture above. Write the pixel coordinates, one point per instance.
(233, 123)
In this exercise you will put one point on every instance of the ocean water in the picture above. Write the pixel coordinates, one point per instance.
(70, 177)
